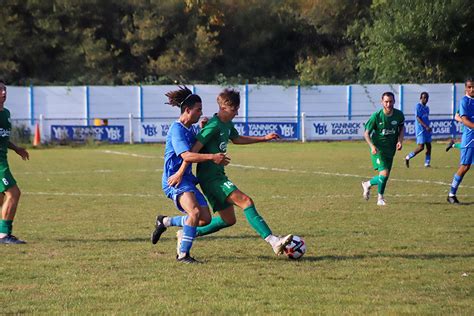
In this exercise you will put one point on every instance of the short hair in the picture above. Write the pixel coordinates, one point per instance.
(425, 94)
(2, 81)
(182, 98)
(468, 79)
(229, 97)
(388, 94)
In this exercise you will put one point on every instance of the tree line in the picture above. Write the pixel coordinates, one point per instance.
(76, 42)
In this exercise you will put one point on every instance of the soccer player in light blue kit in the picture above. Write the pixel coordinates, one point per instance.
(466, 111)
(422, 130)
(187, 198)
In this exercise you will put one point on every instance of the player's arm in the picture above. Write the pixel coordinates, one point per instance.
(457, 117)
(426, 127)
(244, 140)
(465, 120)
(401, 135)
(22, 152)
(373, 149)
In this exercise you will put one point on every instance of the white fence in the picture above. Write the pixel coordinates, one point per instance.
(142, 111)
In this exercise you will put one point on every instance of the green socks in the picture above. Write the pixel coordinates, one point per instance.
(6, 226)
(374, 180)
(216, 224)
(254, 219)
(257, 222)
(382, 183)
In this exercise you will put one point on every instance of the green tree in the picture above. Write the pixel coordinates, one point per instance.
(417, 41)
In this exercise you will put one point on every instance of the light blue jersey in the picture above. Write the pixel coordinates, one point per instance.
(423, 112)
(179, 140)
(422, 135)
(466, 108)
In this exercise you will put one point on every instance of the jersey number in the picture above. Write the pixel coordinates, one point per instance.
(228, 184)
(5, 181)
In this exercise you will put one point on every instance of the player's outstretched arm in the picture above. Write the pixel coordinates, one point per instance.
(22, 152)
(244, 140)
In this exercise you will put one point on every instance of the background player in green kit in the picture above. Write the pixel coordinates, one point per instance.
(222, 193)
(384, 133)
(10, 191)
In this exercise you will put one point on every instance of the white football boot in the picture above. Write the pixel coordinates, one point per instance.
(279, 247)
(366, 190)
(179, 237)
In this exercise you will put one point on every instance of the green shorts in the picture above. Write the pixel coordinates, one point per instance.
(381, 162)
(216, 191)
(6, 178)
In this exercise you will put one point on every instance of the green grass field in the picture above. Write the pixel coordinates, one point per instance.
(87, 214)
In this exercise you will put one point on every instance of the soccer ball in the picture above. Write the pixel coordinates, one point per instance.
(296, 249)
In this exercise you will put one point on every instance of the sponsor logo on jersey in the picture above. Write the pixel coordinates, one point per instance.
(4, 132)
(223, 146)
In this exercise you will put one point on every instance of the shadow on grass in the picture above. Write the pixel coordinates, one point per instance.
(429, 256)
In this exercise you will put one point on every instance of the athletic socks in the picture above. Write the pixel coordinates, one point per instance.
(189, 233)
(374, 180)
(457, 146)
(427, 160)
(216, 224)
(382, 184)
(175, 221)
(455, 184)
(6, 227)
(410, 155)
(257, 222)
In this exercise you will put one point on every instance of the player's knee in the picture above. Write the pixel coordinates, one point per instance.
(246, 201)
(194, 213)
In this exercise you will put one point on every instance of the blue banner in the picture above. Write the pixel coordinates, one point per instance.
(439, 128)
(78, 133)
(285, 130)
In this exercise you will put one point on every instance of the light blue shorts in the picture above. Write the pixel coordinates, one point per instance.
(185, 186)
(423, 137)
(467, 155)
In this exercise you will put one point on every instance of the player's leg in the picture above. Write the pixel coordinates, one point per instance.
(419, 148)
(465, 164)
(377, 163)
(10, 202)
(428, 155)
(196, 214)
(257, 222)
(226, 218)
(383, 179)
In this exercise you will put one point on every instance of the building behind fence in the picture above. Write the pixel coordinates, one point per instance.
(139, 113)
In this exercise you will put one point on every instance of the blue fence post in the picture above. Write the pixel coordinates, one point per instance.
(246, 101)
(298, 110)
(32, 104)
(349, 102)
(140, 102)
(453, 124)
(87, 105)
(400, 92)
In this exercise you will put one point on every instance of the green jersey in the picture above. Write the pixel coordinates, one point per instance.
(5, 130)
(384, 130)
(214, 136)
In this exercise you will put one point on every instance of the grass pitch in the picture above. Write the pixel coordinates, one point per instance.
(87, 214)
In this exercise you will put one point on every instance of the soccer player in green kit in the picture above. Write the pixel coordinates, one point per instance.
(222, 193)
(10, 193)
(384, 132)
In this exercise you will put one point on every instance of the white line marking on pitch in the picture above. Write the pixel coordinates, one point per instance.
(96, 194)
(302, 171)
(87, 171)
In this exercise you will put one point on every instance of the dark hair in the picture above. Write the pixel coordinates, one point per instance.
(389, 94)
(2, 81)
(468, 79)
(424, 93)
(182, 98)
(229, 97)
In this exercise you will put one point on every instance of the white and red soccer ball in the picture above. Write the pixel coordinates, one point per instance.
(296, 249)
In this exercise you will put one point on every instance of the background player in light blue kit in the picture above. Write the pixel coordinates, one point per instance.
(422, 130)
(466, 111)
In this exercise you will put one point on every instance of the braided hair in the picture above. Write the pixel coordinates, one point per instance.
(182, 98)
